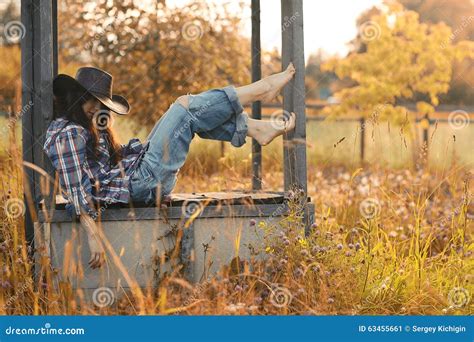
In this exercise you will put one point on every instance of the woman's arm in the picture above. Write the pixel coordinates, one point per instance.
(94, 235)
(134, 146)
(70, 149)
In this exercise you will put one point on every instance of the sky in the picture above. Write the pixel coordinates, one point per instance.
(328, 24)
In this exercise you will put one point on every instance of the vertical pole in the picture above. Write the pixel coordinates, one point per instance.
(362, 140)
(426, 126)
(54, 22)
(294, 143)
(37, 97)
(256, 106)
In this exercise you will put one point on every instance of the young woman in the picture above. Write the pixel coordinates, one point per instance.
(93, 168)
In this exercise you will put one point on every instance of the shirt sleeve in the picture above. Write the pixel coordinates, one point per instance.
(134, 146)
(71, 151)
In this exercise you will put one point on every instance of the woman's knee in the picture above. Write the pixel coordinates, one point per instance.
(183, 101)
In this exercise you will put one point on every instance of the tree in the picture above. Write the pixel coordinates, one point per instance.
(403, 58)
(459, 15)
(318, 81)
(11, 33)
(156, 52)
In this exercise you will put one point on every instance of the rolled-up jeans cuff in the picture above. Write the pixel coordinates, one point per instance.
(241, 128)
(241, 118)
(234, 100)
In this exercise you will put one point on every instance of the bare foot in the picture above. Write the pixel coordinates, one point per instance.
(276, 82)
(265, 131)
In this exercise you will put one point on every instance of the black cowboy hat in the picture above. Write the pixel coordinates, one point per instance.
(95, 81)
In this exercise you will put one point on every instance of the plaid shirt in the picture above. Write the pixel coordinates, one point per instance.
(85, 178)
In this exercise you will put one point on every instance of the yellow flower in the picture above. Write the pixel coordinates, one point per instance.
(304, 243)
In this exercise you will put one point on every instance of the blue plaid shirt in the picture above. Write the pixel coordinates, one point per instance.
(85, 178)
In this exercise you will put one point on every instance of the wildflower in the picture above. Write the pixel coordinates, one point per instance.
(304, 252)
(330, 300)
(392, 234)
(252, 308)
(348, 254)
(253, 222)
(357, 246)
(238, 288)
(303, 242)
(339, 246)
(234, 307)
(316, 249)
(286, 242)
(351, 246)
(299, 272)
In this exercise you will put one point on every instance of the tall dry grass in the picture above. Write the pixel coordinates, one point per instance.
(384, 242)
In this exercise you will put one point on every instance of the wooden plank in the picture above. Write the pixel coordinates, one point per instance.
(256, 106)
(294, 93)
(151, 213)
(55, 36)
(27, 118)
(37, 75)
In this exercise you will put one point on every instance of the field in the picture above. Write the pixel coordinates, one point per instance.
(392, 235)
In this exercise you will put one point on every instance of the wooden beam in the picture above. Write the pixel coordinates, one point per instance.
(54, 22)
(256, 106)
(37, 64)
(294, 149)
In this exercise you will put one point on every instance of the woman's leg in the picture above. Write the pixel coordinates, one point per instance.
(265, 89)
(215, 114)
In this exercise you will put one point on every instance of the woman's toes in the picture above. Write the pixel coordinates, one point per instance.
(291, 68)
(290, 123)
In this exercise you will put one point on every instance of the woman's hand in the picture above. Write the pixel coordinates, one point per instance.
(96, 246)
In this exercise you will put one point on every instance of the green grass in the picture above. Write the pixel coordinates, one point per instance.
(385, 146)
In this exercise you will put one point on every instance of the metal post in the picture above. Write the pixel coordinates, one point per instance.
(37, 64)
(256, 106)
(362, 140)
(294, 148)
(426, 127)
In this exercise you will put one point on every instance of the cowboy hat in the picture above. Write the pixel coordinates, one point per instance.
(98, 83)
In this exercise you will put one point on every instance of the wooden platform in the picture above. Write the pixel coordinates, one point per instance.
(211, 204)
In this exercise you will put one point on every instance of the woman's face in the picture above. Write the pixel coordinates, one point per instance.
(90, 107)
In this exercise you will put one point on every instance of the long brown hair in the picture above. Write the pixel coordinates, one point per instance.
(68, 104)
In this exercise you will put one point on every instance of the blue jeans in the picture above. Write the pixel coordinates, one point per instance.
(216, 114)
